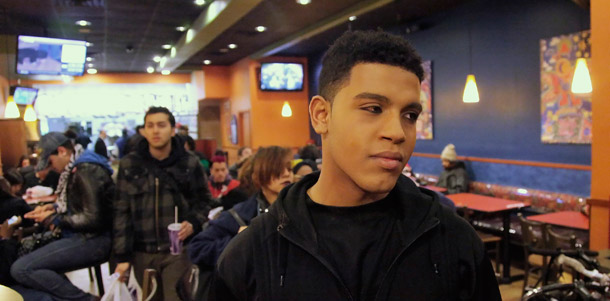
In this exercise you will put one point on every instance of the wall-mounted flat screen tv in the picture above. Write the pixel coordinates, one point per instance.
(24, 95)
(49, 56)
(281, 77)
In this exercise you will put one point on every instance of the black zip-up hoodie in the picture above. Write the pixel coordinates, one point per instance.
(277, 256)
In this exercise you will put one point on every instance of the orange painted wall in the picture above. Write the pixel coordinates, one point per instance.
(268, 127)
(600, 148)
(217, 82)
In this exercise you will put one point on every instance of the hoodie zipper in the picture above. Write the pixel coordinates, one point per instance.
(157, 211)
(319, 258)
(432, 226)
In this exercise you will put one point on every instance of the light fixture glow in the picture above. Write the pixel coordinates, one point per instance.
(88, 44)
(260, 28)
(11, 110)
(83, 23)
(165, 72)
(163, 61)
(353, 18)
(303, 2)
(166, 46)
(157, 59)
(92, 71)
(223, 50)
(150, 69)
(286, 110)
(199, 2)
(172, 52)
(30, 114)
(90, 65)
(89, 59)
(181, 28)
(232, 46)
(471, 93)
(190, 34)
(207, 62)
(581, 83)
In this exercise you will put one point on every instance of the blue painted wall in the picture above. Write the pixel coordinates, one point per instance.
(505, 124)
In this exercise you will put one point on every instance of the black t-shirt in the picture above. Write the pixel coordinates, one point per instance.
(359, 242)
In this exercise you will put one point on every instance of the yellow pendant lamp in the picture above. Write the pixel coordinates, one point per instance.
(471, 92)
(30, 114)
(286, 110)
(11, 110)
(581, 83)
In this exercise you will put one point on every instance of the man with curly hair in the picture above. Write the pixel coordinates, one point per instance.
(359, 230)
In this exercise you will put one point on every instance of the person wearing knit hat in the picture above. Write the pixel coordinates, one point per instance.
(454, 176)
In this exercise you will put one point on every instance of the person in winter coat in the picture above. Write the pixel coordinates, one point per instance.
(358, 229)
(454, 176)
(270, 171)
(82, 212)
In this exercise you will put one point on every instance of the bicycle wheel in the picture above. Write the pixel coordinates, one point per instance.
(567, 292)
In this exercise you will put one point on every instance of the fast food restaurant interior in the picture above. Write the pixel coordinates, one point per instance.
(242, 73)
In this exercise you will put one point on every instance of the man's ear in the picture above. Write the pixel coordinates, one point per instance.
(319, 113)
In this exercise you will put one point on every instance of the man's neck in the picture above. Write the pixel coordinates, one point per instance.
(332, 189)
(160, 153)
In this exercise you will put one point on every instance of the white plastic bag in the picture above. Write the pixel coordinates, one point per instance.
(120, 291)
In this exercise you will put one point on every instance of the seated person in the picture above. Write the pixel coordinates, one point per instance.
(270, 172)
(243, 153)
(220, 182)
(303, 168)
(15, 179)
(454, 176)
(82, 213)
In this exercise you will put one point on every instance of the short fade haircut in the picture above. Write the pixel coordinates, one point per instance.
(164, 110)
(355, 47)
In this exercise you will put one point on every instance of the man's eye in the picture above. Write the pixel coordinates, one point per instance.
(373, 109)
(411, 116)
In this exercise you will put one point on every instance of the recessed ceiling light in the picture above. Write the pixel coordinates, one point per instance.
(165, 72)
(223, 50)
(303, 2)
(83, 23)
(260, 28)
(150, 69)
(232, 46)
(92, 71)
(207, 62)
(90, 65)
(199, 2)
(157, 59)
(89, 59)
(181, 28)
(88, 44)
(353, 18)
(166, 46)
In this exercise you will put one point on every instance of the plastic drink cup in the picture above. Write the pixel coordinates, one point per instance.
(175, 244)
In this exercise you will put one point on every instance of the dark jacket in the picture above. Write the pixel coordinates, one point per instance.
(205, 248)
(455, 179)
(100, 148)
(11, 205)
(277, 257)
(148, 190)
(90, 191)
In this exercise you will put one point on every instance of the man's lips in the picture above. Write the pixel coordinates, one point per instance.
(389, 160)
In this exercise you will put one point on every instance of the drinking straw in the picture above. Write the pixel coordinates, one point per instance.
(176, 214)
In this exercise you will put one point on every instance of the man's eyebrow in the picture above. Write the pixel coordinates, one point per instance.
(415, 105)
(374, 96)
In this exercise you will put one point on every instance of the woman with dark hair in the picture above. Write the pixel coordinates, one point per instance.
(266, 173)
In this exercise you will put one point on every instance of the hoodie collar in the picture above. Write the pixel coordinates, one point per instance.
(89, 156)
(418, 209)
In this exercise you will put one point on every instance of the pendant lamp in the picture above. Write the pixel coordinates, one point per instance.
(581, 83)
(286, 110)
(30, 114)
(471, 92)
(11, 110)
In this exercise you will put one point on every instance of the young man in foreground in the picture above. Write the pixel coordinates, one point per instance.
(358, 230)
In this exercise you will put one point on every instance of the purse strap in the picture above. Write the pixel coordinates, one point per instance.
(237, 218)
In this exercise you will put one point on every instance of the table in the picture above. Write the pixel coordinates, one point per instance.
(435, 188)
(488, 204)
(7, 293)
(569, 219)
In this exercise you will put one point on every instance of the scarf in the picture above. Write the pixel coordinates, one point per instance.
(61, 205)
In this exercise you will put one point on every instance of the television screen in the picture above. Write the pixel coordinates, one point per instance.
(25, 96)
(281, 77)
(38, 55)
